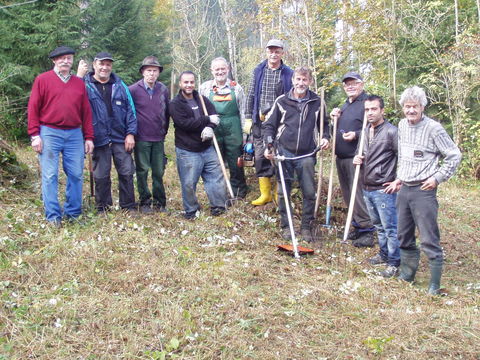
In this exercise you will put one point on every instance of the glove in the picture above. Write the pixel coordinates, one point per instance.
(247, 127)
(207, 134)
(214, 119)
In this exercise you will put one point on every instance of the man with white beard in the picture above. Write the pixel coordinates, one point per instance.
(228, 98)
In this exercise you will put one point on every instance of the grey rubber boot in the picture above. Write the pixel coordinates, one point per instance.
(436, 266)
(409, 260)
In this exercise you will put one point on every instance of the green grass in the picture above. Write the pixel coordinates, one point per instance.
(160, 287)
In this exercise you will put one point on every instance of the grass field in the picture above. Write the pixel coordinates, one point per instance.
(160, 287)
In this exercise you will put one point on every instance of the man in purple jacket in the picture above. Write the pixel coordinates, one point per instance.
(151, 99)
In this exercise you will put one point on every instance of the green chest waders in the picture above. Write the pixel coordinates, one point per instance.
(229, 137)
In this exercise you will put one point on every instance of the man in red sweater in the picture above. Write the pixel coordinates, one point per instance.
(60, 121)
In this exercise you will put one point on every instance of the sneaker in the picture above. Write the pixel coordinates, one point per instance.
(365, 239)
(390, 271)
(56, 223)
(190, 215)
(146, 209)
(377, 260)
(307, 235)
(217, 211)
(354, 234)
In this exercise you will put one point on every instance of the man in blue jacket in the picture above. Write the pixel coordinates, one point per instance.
(271, 78)
(115, 126)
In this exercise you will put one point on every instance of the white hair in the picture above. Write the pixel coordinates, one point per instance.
(220, 58)
(414, 93)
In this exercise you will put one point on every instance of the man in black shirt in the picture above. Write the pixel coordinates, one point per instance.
(349, 127)
(196, 155)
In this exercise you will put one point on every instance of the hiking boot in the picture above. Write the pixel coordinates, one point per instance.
(365, 239)
(190, 215)
(307, 235)
(146, 209)
(377, 260)
(390, 271)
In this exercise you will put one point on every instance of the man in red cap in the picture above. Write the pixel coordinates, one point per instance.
(60, 122)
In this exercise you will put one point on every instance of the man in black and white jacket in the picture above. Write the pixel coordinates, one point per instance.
(294, 123)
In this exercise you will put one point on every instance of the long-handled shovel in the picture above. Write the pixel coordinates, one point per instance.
(328, 211)
(220, 158)
(355, 182)
(320, 167)
(297, 250)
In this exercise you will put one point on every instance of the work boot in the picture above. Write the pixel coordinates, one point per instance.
(377, 260)
(436, 266)
(265, 191)
(307, 235)
(365, 239)
(409, 260)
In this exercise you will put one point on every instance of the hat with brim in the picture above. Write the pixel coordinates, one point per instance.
(150, 61)
(352, 75)
(61, 50)
(275, 43)
(104, 56)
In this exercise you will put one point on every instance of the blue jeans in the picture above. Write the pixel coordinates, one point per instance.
(191, 165)
(305, 170)
(383, 213)
(70, 144)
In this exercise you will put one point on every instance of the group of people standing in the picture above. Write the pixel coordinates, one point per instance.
(96, 113)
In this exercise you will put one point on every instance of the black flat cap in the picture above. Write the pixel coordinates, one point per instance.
(352, 75)
(103, 55)
(61, 50)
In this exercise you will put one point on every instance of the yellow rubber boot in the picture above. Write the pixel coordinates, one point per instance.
(275, 191)
(265, 191)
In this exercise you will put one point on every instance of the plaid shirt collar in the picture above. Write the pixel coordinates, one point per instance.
(61, 76)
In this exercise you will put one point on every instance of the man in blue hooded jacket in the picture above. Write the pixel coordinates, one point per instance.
(271, 78)
(114, 125)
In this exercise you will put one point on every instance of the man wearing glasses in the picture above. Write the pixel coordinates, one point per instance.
(349, 128)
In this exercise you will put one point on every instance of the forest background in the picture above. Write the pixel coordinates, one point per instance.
(392, 43)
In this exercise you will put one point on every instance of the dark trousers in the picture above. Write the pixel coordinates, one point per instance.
(102, 165)
(263, 166)
(305, 171)
(420, 208)
(150, 155)
(346, 173)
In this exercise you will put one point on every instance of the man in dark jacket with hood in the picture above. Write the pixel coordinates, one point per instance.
(293, 126)
(196, 155)
(271, 78)
(115, 126)
(151, 100)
